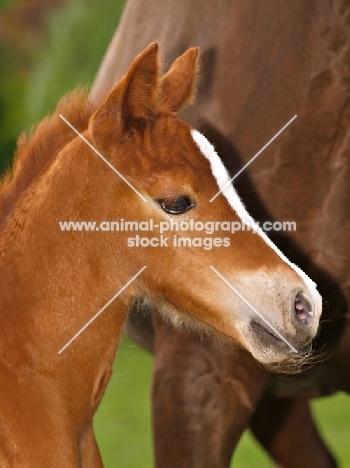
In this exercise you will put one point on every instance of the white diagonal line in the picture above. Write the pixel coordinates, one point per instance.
(103, 158)
(254, 310)
(101, 310)
(251, 160)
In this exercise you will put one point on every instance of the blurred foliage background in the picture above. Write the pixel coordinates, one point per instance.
(47, 47)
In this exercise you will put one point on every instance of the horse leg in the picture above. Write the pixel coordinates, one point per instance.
(203, 397)
(286, 429)
(90, 453)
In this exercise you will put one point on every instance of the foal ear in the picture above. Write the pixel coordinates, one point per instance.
(178, 86)
(135, 97)
(140, 91)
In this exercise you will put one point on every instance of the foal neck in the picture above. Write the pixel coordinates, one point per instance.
(54, 282)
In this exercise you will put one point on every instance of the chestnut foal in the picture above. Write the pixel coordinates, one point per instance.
(53, 282)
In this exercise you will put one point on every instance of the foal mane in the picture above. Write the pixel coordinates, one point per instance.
(40, 145)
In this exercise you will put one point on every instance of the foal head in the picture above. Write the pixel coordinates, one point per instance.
(253, 295)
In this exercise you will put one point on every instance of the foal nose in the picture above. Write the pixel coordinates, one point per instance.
(305, 310)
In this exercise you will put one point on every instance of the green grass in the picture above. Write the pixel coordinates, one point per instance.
(123, 424)
(333, 417)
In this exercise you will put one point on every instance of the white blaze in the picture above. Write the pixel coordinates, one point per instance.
(222, 177)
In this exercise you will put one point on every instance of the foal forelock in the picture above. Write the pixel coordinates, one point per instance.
(222, 177)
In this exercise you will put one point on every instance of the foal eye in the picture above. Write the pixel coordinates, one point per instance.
(177, 204)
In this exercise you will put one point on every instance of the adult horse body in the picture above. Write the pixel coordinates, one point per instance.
(52, 282)
(262, 63)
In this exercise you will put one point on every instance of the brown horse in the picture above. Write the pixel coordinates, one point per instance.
(52, 282)
(262, 62)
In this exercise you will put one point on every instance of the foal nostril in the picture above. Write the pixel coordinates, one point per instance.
(303, 308)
